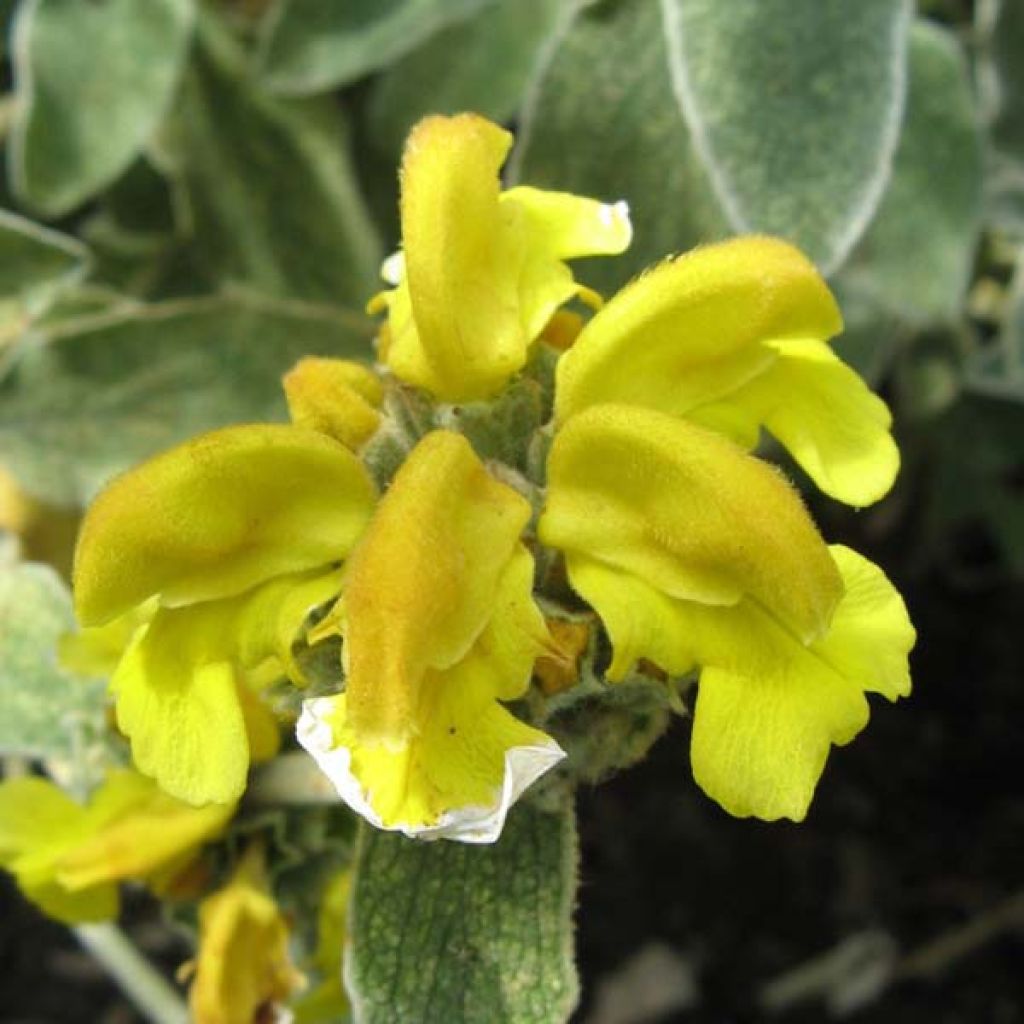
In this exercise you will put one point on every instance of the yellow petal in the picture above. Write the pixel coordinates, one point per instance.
(177, 686)
(687, 512)
(337, 397)
(762, 733)
(641, 621)
(83, 906)
(691, 329)
(420, 586)
(261, 728)
(439, 624)
(217, 515)
(96, 650)
(136, 831)
(38, 823)
(482, 274)
(67, 858)
(36, 817)
(570, 225)
(243, 969)
(182, 713)
(455, 779)
(464, 337)
(824, 414)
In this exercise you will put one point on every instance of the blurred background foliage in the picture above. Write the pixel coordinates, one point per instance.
(197, 192)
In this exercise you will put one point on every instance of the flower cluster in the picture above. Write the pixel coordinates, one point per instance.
(420, 550)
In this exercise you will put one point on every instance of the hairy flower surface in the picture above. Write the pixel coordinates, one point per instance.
(700, 557)
(481, 271)
(242, 970)
(237, 535)
(428, 536)
(439, 625)
(68, 858)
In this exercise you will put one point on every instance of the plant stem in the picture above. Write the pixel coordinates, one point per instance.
(140, 981)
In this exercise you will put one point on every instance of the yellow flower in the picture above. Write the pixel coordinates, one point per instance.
(335, 396)
(699, 556)
(243, 970)
(439, 625)
(68, 858)
(734, 336)
(481, 271)
(232, 539)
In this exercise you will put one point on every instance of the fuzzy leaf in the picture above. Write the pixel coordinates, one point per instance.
(270, 183)
(916, 258)
(103, 392)
(795, 106)
(603, 122)
(1001, 84)
(44, 711)
(481, 64)
(450, 933)
(93, 81)
(315, 45)
(35, 263)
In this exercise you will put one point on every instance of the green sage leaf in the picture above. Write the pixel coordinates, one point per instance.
(93, 81)
(602, 122)
(315, 45)
(270, 184)
(997, 370)
(916, 258)
(449, 933)
(482, 64)
(35, 264)
(1000, 73)
(44, 711)
(795, 107)
(101, 392)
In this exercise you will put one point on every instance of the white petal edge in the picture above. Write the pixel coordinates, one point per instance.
(392, 270)
(618, 214)
(475, 823)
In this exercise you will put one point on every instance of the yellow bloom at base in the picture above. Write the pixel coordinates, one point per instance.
(242, 971)
(68, 858)
(698, 556)
(439, 626)
(481, 271)
(220, 547)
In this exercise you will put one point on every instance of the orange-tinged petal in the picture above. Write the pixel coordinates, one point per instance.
(464, 337)
(337, 397)
(420, 586)
(688, 513)
(217, 515)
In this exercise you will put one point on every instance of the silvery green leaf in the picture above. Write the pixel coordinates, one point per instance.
(481, 64)
(451, 933)
(316, 45)
(93, 81)
(915, 260)
(602, 121)
(45, 711)
(36, 263)
(1000, 76)
(270, 184)
(795, 107)
(96, 394)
